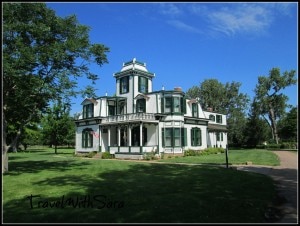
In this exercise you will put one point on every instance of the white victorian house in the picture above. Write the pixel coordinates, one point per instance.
(138, 120)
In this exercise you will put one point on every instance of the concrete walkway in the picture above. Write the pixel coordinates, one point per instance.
(286, 179)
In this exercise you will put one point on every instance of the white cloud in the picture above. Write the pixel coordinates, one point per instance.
(169, 9)
(182, 26)
(242, 18)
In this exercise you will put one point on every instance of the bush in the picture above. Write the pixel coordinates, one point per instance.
(91, 154)
(150, 156)
(107, 155)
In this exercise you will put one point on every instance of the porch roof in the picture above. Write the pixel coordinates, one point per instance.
(217, 128)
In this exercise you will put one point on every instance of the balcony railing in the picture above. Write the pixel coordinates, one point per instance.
(129, 117)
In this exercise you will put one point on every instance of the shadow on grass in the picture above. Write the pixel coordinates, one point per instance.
(147, 193)
(20, 167)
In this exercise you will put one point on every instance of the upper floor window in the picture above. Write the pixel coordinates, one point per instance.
(124, 85)
(173, 104)
(122, 107)
(195, 110)
(111, 107)
(219, 119)
(212, 118)
(141, 105)
(168, 104)
(88, 111)
(143, 85)
(177, 105)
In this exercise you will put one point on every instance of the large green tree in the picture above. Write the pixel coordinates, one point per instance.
(226, 99)
(58, 128)
(257, 130)
(270, 101)
(43, 54)
(287, 125)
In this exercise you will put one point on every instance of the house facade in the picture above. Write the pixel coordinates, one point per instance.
(138, 120)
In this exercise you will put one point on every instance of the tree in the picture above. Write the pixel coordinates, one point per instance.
(225, 99)
(270, 102)
(287, 125)
(57, 125)
(43, 54)
(257, 130)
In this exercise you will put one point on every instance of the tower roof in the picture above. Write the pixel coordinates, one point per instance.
(136, 66)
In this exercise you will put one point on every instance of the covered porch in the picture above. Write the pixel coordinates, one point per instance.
(129, 138)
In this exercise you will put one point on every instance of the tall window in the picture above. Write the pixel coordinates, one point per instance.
(195, 110)
(143, 85)
(173, 137)
(88, 111)
(111, 107)
(168, 104)
(219, 119)
(124, 85)
(176, 102)
(219, 136)
(168, 137)
(121, 107)
(87, 138)
(141, 105)
(177, 137)
(196, 139)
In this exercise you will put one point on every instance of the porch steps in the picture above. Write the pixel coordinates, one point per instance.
(128, 156)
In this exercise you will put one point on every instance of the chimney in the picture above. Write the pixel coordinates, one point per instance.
(177, 89)
(209, 109)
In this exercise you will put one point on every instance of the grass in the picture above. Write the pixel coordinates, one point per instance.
(68, 189)
(235, 157)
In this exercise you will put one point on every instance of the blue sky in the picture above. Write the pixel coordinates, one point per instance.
(186, 43)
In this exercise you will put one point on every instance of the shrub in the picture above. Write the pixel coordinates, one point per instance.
(107, 155)
(150, 156)
(91, 154)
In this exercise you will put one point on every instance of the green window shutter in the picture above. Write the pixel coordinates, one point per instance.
(140, 83)
(200, 137)
(127, 84)
(197, 110)
(82, 140)
(184, 105)
(162, 101)
(183, 136)
(192, 137)
(163, 137)
(147, 85)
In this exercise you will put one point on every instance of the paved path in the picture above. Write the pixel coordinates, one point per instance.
(285, 177)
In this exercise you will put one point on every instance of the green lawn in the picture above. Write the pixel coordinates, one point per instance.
(42, 187)
(235, 157)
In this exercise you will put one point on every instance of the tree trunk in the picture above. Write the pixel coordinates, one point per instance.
(4, 146)
(273, 123)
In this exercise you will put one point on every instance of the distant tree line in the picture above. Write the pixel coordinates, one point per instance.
(267, 122)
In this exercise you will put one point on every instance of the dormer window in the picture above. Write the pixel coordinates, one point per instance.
(124, 85)
(212, 118)
(88, 111)
(141, 105)
(195, 110)
(143, 85)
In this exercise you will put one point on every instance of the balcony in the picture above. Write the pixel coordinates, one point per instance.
(129, 118)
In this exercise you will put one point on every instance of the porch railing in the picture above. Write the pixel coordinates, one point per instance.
(129, 117)
(132, 149)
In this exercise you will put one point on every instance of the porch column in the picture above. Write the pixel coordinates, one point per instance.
(100, 139)
(119, 136)
(129, 135)
(141, 136)
(108, 130)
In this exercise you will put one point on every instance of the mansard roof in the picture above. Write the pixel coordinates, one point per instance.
(94, 101)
